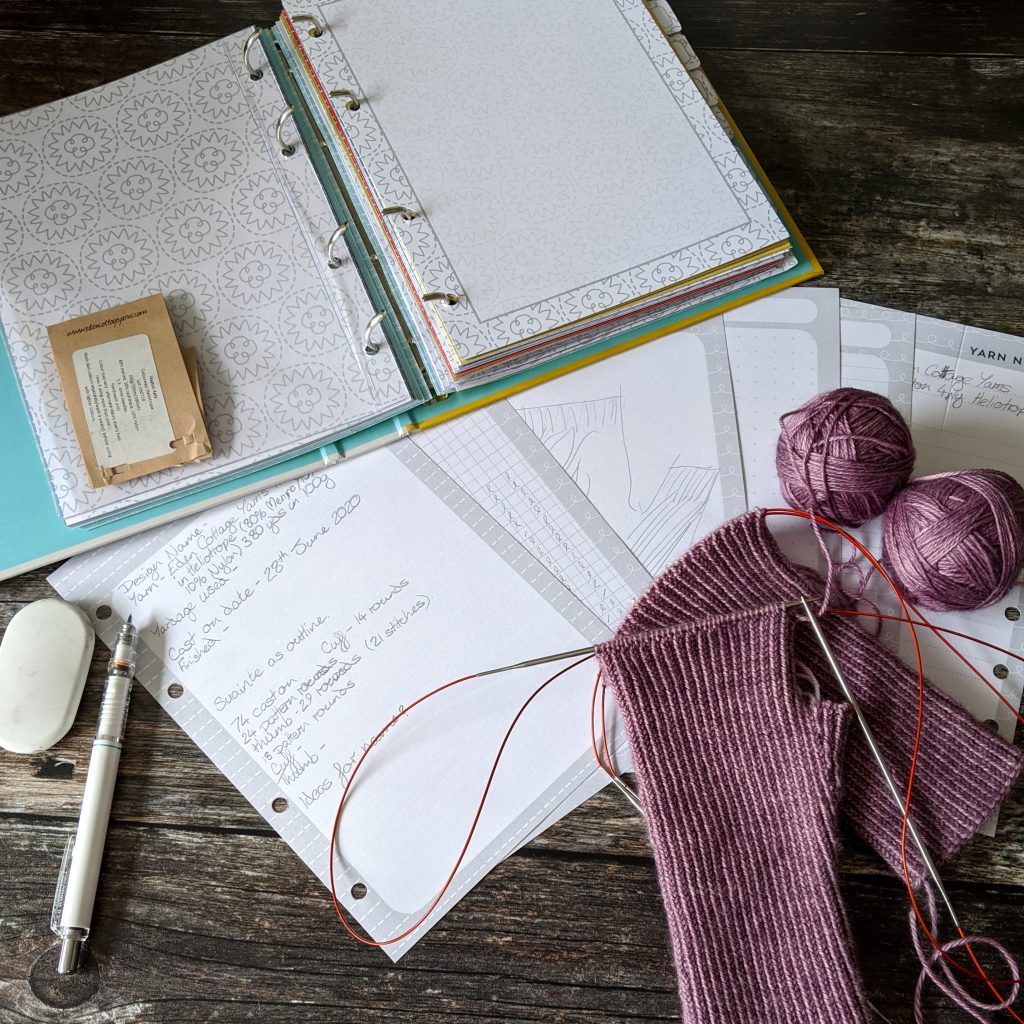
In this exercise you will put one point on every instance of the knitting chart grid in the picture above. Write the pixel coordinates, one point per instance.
(496, 457)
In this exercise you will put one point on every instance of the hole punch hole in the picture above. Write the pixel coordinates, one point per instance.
(104, 611)
(1000, 671)
(279, 804)
(255, 76)
(288, 151)
(175, 690)
(991, 723)
(1013, 614)
(358, 891)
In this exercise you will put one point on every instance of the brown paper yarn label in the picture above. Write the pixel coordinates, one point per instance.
(132, 396)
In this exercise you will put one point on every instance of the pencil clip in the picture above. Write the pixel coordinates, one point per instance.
(317, 30)
(403, 211)
(62, 885)
(370, 347)
(333, 261)
(450, 297)
(353, 99)
(287, 149)
(254, 73)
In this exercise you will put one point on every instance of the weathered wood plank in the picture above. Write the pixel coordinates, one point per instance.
(546, 939)
(901, 173)
(912, 26)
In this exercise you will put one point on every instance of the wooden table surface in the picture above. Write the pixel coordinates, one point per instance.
(894, 133)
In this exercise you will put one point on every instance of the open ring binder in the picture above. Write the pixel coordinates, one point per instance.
(254, 73)
(317, 30)
(370, 347)
(333, 261)
(353, 99)
(404, 211)
(450, 297)
(287, 149)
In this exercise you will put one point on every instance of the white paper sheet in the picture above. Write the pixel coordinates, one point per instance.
(300, 620)
(612, 222)
(950, 432)
(783, 350)
(968, 412)
(650, 436)
(514, 557)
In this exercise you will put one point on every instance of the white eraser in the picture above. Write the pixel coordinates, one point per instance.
(44, 660)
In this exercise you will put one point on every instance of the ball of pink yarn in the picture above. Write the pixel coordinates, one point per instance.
(956, 540)
(843, 455)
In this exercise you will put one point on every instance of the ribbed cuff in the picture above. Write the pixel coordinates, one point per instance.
(739, 777)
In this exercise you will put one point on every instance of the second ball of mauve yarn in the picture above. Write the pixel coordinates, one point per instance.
(843, 455)
(955, 541)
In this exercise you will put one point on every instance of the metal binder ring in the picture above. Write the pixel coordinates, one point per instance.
(287, 149)
(254, 73)
(450, 297)
(353, 99)
(332, 261)
(371, 348)
(404, 211)
(317, 30)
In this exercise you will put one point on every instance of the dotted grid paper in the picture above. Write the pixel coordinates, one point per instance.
(878, 352)
(89, 581)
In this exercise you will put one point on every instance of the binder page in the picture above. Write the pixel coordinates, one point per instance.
(650, 436)
(783, 350)
(508, 146)
(969, 411)
(168, 182)
(298, 622)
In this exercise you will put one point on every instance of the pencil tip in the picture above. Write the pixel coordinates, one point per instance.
(129, 622)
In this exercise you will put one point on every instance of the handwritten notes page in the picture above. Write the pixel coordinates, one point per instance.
(969, 411)
(968, 398)
(300, 620)
(962, 411)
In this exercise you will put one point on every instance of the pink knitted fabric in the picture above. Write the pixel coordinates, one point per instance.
(739, 779)
(739, 775)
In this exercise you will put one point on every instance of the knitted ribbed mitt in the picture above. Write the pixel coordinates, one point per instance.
(964, 769)
(739, 776)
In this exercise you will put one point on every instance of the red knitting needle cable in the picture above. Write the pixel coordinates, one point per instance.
(907, 607)
(335, 837)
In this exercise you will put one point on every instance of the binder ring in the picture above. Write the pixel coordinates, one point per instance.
(332, 261)
(254, 73)
(371, 348)
(404, 211)
(287, 149)
(353, 99)
(450, 297)
(317, 30)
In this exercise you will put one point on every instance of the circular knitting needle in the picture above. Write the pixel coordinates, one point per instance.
(876, 753)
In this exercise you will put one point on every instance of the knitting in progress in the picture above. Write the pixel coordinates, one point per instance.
(742, 774)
